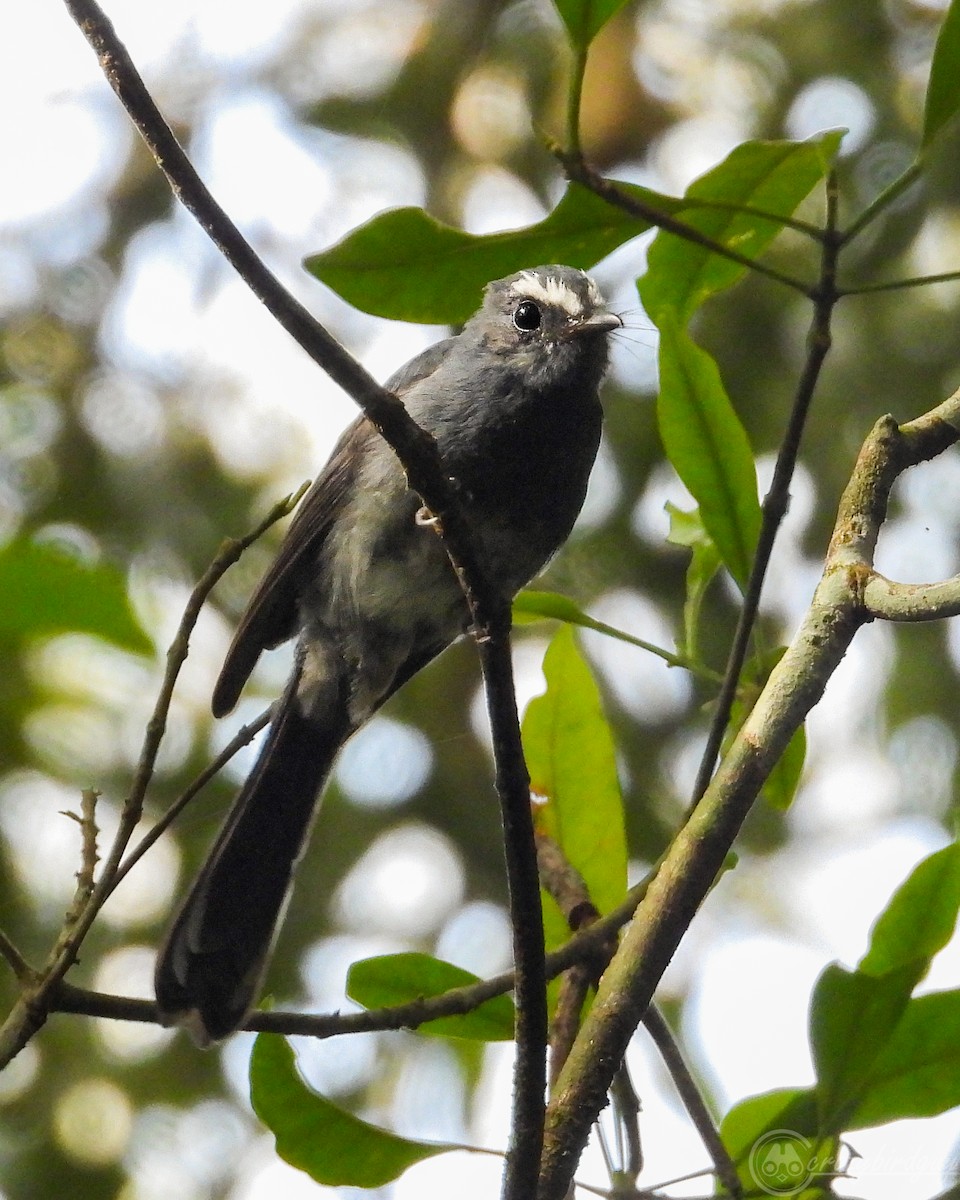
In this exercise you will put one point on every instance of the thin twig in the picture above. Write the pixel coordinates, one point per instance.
(566, 886)
(777, 498)
(581, 172)
(241, 738)
(526, 917)
(31, 1009)
(87, 822)
(693, 1100)
(880, 203)
(575, 986)
(226, 556)
(628, 1113)
(14, 959)
(897, 285)
(586, 946)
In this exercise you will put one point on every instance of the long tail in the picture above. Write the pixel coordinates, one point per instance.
(212, 962)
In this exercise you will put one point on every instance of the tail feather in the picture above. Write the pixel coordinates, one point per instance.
(211, 965)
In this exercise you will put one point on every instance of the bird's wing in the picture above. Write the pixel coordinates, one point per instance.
(271, 615)
(420, 367)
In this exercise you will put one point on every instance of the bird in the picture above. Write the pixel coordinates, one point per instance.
(364, 585)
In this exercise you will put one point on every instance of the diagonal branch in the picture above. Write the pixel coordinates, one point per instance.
(696, 855)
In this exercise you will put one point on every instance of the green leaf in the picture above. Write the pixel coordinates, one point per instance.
(786, 1107)
(392, 979)
(530, 605)
(917, 1073)
(708, 447)
(773, 1142)
(406, 265)
(943, 90)
(585, 18)
(871, 1055)
(570, 755)
(331, 1145)
(686, 529)
(782, 782)
(921, 916)
(769, 176)
(852, 1018)
(48, 591)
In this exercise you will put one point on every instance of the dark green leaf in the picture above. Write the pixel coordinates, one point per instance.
(406, 265)
(47, 591)
(708, 447)
(921, 916)
(570, 755)
(769, 176)
(943, 90)
(852, 1018)
(585, 18)
(783, 781)
(392, 979)
(331, 1145)
(917, 1073)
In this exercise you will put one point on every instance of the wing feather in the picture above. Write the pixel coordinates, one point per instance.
(271, 615)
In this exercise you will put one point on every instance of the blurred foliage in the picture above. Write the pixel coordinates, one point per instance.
(122, 460)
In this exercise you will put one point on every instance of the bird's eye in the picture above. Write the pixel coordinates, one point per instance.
(527, 316)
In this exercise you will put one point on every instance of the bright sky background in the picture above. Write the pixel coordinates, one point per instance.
(750, 966)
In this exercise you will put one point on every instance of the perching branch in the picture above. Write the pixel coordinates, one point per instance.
(415, 448)
(490, 611)
(689, 867)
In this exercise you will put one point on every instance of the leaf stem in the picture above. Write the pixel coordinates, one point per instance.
(895, 285)
(574, 100)
(889, 194)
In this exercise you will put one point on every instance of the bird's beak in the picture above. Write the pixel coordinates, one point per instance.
(601, 322)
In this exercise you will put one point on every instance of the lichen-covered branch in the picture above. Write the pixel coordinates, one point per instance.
(688, 869)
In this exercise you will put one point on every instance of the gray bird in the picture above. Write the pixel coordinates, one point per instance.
(370, 595)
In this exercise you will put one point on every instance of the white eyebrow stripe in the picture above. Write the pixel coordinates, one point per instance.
(553, 292)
